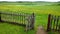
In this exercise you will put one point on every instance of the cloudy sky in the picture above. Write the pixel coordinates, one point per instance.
(32, 0)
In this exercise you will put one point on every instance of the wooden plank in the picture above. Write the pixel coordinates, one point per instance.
(57, 23)
(14, 23)
(0, 17)
(48, 25)
(33, 20)
(51, 22)
(54, 27)
(15, 14)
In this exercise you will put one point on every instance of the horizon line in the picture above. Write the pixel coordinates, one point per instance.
(33, 1)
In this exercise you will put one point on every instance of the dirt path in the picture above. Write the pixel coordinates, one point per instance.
(41, 30)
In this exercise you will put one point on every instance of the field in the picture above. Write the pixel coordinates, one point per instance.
(41, 17)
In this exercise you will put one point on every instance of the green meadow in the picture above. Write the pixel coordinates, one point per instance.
(41, 17)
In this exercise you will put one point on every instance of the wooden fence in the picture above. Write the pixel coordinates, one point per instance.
(53, 23)
(22, 19)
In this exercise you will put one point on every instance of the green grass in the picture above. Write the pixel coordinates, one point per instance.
(41, 17)
(13, 29)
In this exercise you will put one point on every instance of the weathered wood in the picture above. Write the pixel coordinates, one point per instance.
(22, 21)
(14, 23)
(53, 25)
(48, 25)
(33, 20)
(15, 14)
(51, 22)
(0, 17)
(57, 23)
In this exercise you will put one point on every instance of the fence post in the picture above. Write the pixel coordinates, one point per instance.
(33, 20)
(48, 25)
(0, 17)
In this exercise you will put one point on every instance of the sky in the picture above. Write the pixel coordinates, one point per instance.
(32, 0)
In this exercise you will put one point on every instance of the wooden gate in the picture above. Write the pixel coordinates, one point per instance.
(53, 23)
(22, 19)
